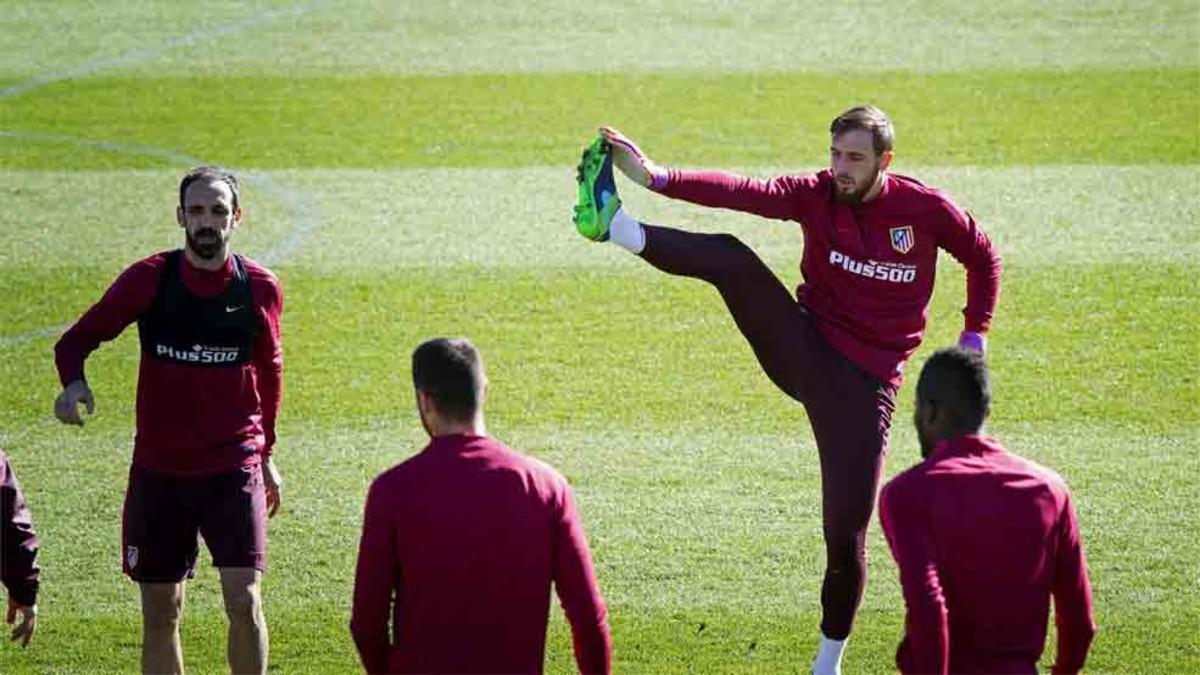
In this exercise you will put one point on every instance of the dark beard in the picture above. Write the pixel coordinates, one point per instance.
(855, 198)
(206, 250)
(852, 198)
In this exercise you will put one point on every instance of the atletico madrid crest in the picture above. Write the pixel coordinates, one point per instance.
(902, 238)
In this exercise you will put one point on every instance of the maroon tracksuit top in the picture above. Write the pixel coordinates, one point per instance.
(984, 539)
(191, 420)
(460, 546)
(868, 270)
(18, 542)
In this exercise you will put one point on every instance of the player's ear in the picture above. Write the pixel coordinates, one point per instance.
(930, 413)
(179, 216)
(885, 160)
(237, 216)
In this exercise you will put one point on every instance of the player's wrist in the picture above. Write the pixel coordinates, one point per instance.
(972, 341)
(659, 177)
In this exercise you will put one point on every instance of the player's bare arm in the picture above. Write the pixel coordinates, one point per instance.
(66, 406)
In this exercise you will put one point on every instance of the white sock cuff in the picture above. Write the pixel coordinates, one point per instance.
(627, 232)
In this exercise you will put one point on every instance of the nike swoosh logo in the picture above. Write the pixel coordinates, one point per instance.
(230, 310)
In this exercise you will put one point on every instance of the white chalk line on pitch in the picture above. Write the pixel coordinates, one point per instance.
(138, 55)
(304, 215)
(305, 218)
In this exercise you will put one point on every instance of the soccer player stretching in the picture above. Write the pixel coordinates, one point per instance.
(838, 347)
(208, 393)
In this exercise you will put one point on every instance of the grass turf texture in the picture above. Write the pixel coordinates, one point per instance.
(976, 118)
(449, 213)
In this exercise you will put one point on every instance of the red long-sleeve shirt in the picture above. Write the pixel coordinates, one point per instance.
(868, 270)
(18, 542)
(190, 420)
(984, 539)
(460, 545)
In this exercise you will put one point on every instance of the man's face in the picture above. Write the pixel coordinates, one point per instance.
(855, 165)
(208, 218)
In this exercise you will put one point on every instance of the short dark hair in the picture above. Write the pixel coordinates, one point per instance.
(450, 371)
(210, 174)
(868, 118)
(957, 381)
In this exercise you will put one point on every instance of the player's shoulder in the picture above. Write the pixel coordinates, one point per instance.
(799, 182)
(539, 473)
(815, 179)
(906, 495)
(908, 485)
(263, 281)
(925, 197)
(258, 271)
(147, 268)
(154, 261)
(1040, 472)
(393, 478)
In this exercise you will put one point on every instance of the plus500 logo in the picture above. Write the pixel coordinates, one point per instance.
(198, 354)
(897, 274)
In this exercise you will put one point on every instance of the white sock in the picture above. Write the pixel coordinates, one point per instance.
(626, 232)
(829, 657)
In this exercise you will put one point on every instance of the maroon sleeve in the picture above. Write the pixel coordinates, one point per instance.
(959, 235)
(18, 542)
(782, 198)
(1072, 593)
(268, 353)
(926, 646)
(126, 299)
(575, 582)
(373, 584)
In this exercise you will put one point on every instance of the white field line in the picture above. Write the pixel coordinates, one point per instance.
(145, 54)
(304, 216)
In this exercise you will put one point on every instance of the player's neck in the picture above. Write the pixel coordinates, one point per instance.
(474, 427)
(876, 187)
(211, 264)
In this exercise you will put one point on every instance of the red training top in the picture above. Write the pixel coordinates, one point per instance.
(983, 539)
(18, 542)
(867, 269)
(459, 547)
(190, 419)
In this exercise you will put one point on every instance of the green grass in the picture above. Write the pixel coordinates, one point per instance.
(973, 117)
(412, 176)
(361, 37)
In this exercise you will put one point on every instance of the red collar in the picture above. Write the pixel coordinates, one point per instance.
(962, 446)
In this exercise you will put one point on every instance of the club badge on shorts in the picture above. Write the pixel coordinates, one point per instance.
(902, 238)
(131, 556)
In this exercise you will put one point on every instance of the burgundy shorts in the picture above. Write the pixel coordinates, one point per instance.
(165, 515)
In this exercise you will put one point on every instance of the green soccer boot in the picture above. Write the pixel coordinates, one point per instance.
(598, 201)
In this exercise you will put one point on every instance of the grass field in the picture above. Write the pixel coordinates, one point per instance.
(409, 173)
